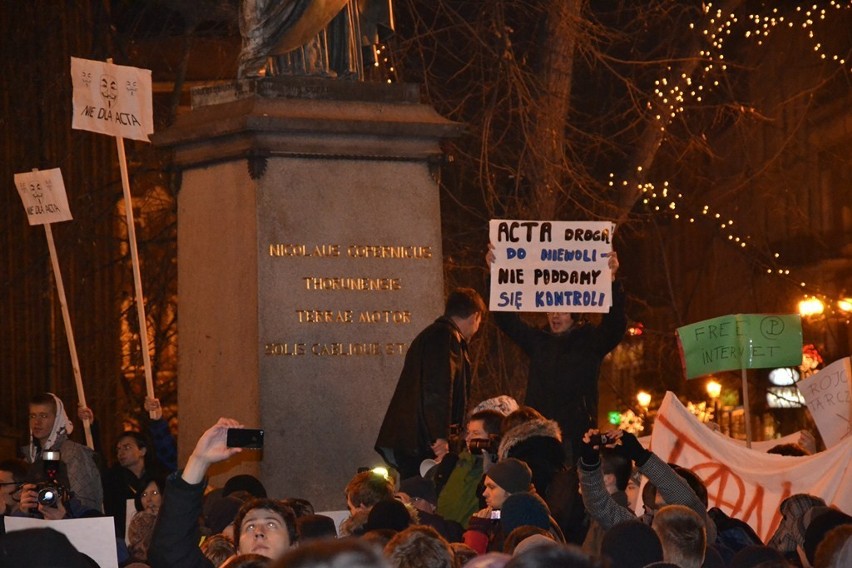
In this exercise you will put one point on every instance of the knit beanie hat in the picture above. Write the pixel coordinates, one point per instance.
(632, 544)
(520, 509)
(503, 404)
(511, 475)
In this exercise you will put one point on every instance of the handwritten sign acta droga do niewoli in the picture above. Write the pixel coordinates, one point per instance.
(551, 266)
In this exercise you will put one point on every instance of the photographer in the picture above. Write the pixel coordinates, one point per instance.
(45, 495)
(49, 431)
(459, 497)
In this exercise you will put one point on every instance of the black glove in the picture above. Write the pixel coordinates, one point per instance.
(631, 449)
(590, 457)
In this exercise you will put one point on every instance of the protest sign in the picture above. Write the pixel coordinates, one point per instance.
(112, 99)
(116, 100)
(551, 266)
(741, 341)
(94, 537)
(43, 194)
(745, 483)
(827, 394)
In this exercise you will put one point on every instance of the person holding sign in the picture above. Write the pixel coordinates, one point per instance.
(430, 399)
(564, 360)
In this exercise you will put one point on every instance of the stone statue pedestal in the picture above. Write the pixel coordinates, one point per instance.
(309, 256)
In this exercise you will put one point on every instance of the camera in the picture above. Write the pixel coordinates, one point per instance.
(50, 490)
(488, 445)
(599, 440)
(49, 494)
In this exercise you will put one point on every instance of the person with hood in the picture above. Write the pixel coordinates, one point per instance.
(49, 431)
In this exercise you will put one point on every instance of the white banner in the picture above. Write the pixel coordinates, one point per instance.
(43, 195)
(827, 394)
(112, 99)
(748, 484)
(94, 537)
(551, 266)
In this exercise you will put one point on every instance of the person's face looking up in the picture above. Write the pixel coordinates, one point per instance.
(560, 322)
(263, 532)
(494, 494)
(42, 417)
(151, 498)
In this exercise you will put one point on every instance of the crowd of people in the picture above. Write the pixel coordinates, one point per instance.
(481, 485)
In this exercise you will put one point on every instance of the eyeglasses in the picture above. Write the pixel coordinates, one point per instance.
(20, 485)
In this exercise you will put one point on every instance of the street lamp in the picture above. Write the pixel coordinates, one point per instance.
(811, 306)
(714, 389)
(644, 400)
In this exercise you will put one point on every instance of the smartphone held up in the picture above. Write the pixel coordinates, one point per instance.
(247, 438)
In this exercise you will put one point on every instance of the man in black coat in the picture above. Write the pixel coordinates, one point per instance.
(431, 395)
(565, 360)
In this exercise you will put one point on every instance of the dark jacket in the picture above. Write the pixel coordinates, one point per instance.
(176, 534)
(563, 372)
(538, 443)
(431, 394)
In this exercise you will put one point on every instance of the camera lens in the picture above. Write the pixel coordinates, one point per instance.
(47, 496)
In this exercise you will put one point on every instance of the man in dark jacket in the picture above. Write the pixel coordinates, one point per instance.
(431, 395)
(565, 360)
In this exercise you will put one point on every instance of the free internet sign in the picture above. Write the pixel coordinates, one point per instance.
(741, 341)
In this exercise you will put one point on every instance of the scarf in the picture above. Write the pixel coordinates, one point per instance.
(61, 426)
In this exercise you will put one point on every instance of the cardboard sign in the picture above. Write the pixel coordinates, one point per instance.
(828, 395)
(742, 341)
(43, 195)
(112, 99)
(551, 266)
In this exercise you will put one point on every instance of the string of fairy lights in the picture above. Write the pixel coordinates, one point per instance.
(670, 98)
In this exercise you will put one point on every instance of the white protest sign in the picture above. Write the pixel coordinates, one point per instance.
(827, 394)
(94, 537)
(551, 266)
(43, 194)
(112, 99)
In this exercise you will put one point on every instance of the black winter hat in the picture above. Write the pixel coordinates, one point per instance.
(520, 509)
(511, 475)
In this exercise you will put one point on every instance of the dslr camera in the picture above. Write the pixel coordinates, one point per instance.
(489, 445)
(50, 490)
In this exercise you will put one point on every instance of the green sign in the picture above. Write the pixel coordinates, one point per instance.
(741, 341)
